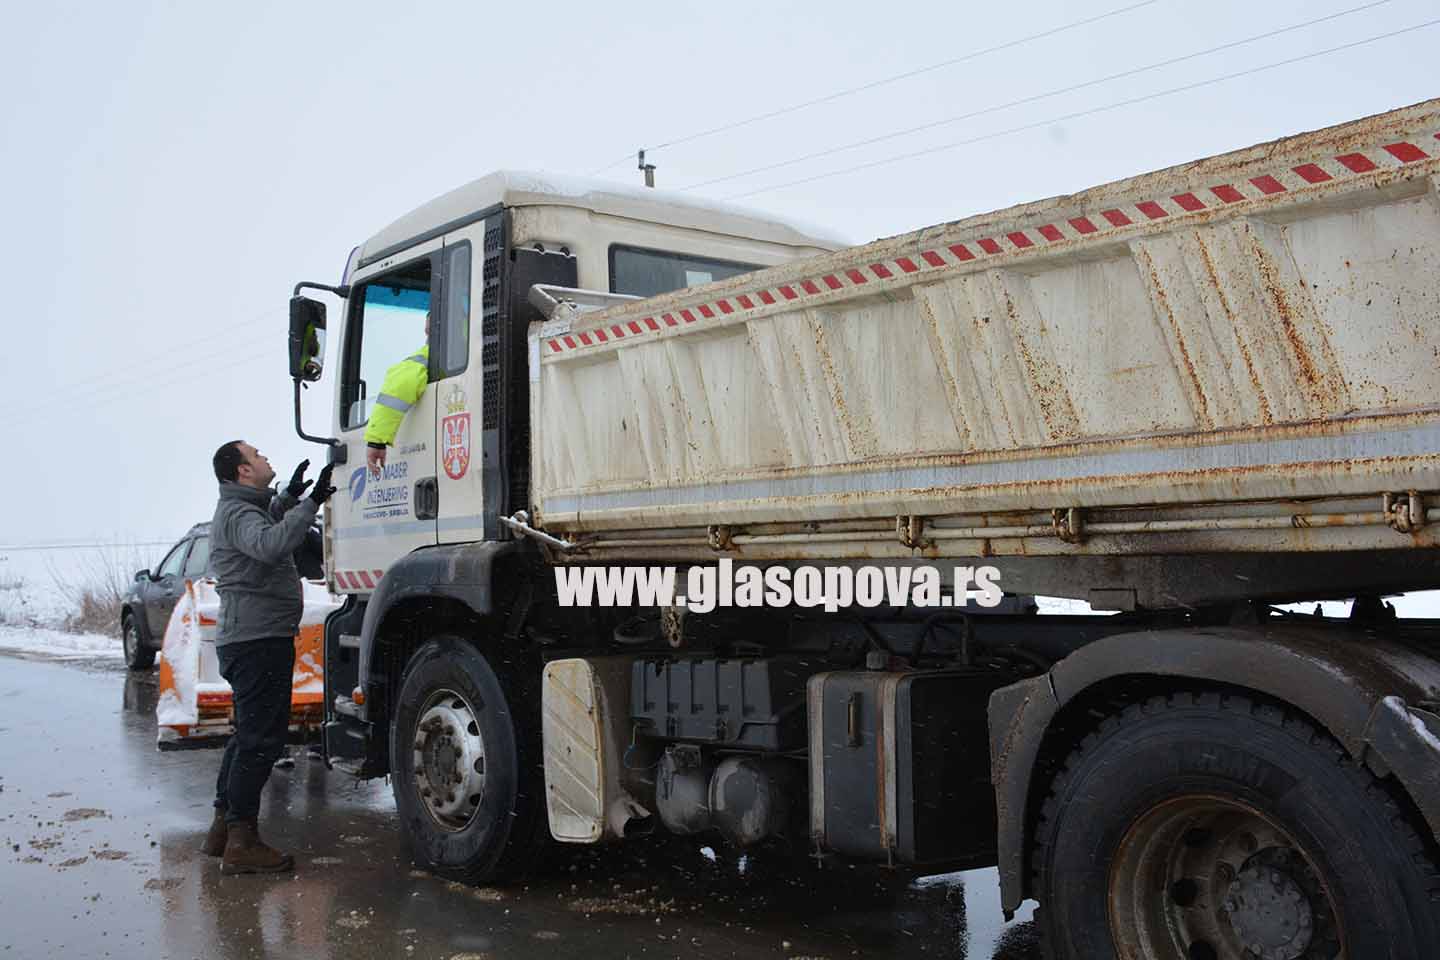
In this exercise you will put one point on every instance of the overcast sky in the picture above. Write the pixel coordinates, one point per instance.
(170, 170)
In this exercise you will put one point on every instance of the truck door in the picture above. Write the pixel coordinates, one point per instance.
(467, 345)
(379, 518)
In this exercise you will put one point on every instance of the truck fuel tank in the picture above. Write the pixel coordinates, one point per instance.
(900, 765)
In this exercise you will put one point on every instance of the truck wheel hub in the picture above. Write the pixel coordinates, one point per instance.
(1214, 877)
(448, 760)
(1270, 913)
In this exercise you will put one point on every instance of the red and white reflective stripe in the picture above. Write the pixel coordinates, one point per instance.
(358, 579)
(1198, 200)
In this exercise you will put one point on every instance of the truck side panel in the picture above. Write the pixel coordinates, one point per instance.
(1271, 310)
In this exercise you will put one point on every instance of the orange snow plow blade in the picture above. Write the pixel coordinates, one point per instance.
(196, 708)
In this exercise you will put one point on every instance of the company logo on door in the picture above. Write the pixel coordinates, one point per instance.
(385, 496)
(357, 483)
(455, 435)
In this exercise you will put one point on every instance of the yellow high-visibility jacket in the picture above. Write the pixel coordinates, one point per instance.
(404, 383)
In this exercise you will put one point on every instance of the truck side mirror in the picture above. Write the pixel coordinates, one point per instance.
(307, 338)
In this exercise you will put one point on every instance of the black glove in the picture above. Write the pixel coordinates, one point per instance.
(322, 490)
(298, 483)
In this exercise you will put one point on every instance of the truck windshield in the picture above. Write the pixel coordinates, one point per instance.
(646, 273)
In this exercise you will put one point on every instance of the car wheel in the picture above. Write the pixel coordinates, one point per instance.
(137, 655)
(466, 770)
(1211, 826)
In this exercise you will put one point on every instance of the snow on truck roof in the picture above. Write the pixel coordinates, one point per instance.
(519, 188)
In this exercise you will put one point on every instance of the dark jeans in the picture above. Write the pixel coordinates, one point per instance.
(259, 672)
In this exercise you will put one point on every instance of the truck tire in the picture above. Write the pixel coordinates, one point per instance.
(137, 655)
(1204, 826)
(466, 766)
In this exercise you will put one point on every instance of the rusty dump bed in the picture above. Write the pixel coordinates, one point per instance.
(1236, 354)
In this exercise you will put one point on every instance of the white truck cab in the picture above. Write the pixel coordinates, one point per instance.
(466, 260)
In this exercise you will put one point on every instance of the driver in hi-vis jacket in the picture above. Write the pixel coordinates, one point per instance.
(404, 383)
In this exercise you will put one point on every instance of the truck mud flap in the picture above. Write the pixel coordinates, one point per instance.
(1406, 741)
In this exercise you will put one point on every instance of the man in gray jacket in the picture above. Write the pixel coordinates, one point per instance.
(252, 537)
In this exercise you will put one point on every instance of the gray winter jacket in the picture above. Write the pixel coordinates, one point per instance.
(252, 538)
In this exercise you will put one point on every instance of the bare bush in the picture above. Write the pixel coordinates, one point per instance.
(95, 586)
(14, 607)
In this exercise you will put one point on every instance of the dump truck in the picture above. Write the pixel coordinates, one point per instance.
(1191, 398)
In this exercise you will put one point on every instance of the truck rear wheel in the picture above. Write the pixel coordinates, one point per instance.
(465, 769)
(1211, 827)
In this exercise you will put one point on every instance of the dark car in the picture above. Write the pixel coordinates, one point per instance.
(145, 610)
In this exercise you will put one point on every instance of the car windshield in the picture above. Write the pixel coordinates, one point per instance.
(170, 566)
(198, 563)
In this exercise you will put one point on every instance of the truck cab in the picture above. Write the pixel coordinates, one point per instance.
(467, 261)
(448, 284)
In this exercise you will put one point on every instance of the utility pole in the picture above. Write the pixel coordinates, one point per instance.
(648, 169)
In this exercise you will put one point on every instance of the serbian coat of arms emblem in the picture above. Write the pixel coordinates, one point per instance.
(455, 436)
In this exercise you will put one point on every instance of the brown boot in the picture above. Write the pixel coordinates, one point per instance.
(214, 845)
(245, 852)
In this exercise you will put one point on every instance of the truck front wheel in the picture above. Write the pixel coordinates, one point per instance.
(465, 768)
(1211, 827)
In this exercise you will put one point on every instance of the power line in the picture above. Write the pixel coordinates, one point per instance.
(20, 547)
(146, 372)
(147, 382)
(1034, 98)
(828, 98)
(168, 383)
(167, 356)
(167, 361)
(1086, 113)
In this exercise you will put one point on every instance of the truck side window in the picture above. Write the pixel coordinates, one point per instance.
(387, 326)
(647, 273)
(457, 309)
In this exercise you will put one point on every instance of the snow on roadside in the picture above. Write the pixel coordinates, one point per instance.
(58, 643)
(1060, 606)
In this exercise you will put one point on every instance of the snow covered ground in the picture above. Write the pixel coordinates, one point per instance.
(58, 643)
(1059, 606)
(39, 585)
(38, 591)
(1423, 605)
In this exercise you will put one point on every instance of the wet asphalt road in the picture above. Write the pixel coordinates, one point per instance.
(100, 860)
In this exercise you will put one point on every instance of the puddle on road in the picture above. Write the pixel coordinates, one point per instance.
(355, 896)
